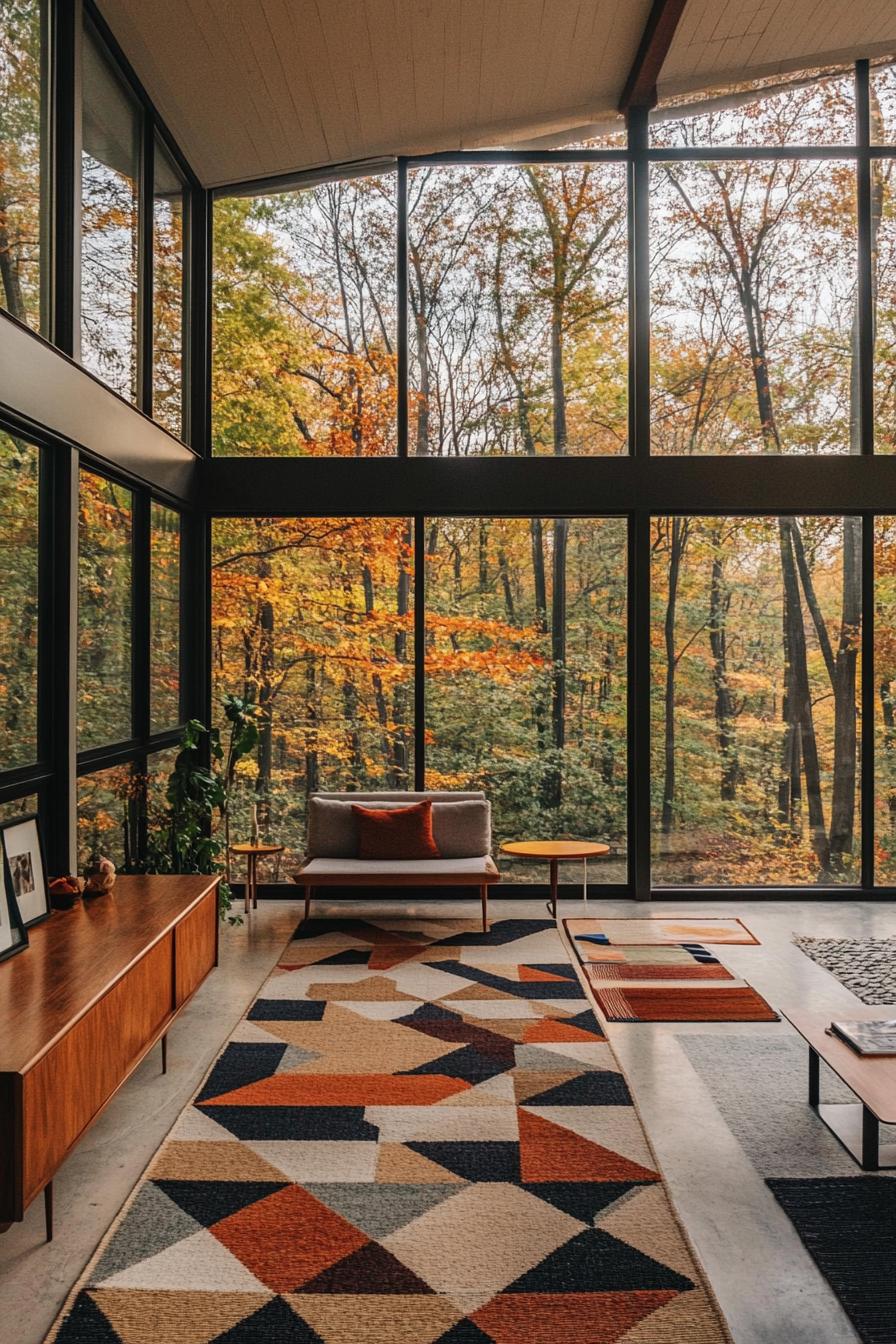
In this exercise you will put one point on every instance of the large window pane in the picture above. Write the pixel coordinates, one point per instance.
(167, 292)
(110, 169)
(885, 700)
(164, 619)
(808, 108)
(753, 345)
(883, 104)
(109, 803)
(313, 619)
(755, 696)
(19, 473)
(104, 612)
(18, 807)
(304, 344)
(22, 140)
(526, 676)
(517, 310)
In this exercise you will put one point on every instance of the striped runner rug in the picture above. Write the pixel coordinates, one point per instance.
(417, 1135)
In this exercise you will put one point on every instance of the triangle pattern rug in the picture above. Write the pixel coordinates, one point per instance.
(417, 1135)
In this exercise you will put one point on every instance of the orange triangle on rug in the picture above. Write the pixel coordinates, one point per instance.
(587, 1318)
(549, 1152)
(557, 1032)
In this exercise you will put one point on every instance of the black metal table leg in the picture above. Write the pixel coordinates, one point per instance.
(870, 1141)
(48, 1209)
(813, 1078)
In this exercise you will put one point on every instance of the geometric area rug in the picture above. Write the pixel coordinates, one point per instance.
(417, 1135)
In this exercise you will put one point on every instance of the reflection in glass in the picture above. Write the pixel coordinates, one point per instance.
(19, 503)
(756, 628)
(807, 108)
(526, 676)
(110, 169)
(104, 612)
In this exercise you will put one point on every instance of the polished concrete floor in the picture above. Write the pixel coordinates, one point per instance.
(766, 1284)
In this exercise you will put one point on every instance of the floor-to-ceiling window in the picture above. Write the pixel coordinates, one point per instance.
(24, 203)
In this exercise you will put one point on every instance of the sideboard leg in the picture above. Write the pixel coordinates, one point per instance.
(483, 893)
(165, 1053)
(307, 902)
(48, 1209)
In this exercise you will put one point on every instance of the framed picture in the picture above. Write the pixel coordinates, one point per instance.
(24, 856)
(13, 934)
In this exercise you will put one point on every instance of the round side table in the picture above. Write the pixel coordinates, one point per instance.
(555, 852)
(252, 853)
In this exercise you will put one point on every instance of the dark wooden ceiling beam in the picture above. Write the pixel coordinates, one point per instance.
(640, 87)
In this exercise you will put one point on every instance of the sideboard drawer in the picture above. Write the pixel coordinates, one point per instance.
(195, 942)
(74, 1080)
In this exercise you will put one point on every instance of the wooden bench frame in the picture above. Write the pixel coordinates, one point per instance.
(420, 878)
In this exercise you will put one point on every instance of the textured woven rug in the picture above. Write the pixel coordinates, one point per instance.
(845, 1218)
(661, 929)
(598, 974)
(418, 1134)
(866, 966)
(683, 1003)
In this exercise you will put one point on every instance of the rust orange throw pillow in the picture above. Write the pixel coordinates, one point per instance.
(396, 832)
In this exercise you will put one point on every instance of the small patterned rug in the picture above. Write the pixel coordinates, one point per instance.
(683, 1003)
(600, 953)
(866, 966)
(599, 974)
(661, 929)
(417, 1135)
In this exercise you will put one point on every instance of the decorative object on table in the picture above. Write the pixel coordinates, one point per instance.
(99, 875)
(252, 853)
(20, 839)
(556, 852)
(64, 891)
(661, 929)
(13, 934)
(868, 1038)
(683, 1003)
(866, 966)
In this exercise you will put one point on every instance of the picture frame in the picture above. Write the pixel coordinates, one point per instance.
(24, 858)
(13, 934)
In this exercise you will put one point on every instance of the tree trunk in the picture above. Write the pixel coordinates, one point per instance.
(801, 703)
(843, 795)
(677, 543)
(424, 378)
(719, 602)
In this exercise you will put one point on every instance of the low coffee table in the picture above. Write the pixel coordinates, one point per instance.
(555, 851)
(871, 1078)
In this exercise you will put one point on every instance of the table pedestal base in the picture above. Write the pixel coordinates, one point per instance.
(857, 1128)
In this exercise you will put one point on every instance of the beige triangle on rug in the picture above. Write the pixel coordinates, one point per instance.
(392, 1318)
(196, 1263)
(224, 1161)
(188, 1317)
(644, 1220)
(399, 1165)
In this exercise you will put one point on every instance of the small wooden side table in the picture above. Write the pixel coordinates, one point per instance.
(555, 851)
(252, 853)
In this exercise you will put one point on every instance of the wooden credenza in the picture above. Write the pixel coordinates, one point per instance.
(95, 990)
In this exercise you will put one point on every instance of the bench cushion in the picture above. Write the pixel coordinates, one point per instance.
(461, 827)
(381, 870)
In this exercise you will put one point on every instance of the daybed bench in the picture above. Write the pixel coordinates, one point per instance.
(461, 828)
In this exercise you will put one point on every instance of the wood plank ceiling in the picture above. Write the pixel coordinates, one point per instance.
(278, 86)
